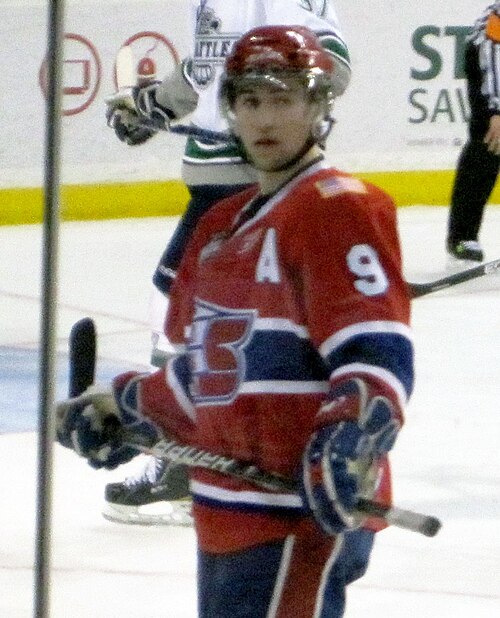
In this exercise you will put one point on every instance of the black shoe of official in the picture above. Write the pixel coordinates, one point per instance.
(469, 250)
(158, 496)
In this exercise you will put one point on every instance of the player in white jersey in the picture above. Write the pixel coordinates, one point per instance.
(211, 170)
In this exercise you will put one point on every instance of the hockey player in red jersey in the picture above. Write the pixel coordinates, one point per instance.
(212, 171)
(294, 318)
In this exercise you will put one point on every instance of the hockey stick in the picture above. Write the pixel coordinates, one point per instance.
(126, 79)
(198, 458)
(82, 358)
(421, 289)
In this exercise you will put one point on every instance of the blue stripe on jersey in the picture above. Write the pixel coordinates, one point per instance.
(182, 371)
(390, 351)
(252, 499)
(249, 507)
(280, 355)
(178, 372)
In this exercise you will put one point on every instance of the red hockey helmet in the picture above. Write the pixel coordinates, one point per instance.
(272, 53)
(285, 48)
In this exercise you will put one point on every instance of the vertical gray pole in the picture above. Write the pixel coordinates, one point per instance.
(48, 324)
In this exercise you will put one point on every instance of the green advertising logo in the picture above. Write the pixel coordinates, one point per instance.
(449, 104)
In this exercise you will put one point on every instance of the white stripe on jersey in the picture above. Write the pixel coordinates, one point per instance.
(282, 324)
(282, 576)
(489, 61)
(327, 574)
(379, 373)
(204, 490)
(360, 328)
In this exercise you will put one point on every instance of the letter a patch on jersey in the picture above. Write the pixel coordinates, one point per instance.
(267, 264)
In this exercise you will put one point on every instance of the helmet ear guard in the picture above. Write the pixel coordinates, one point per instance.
(271, 54)
(321, 130)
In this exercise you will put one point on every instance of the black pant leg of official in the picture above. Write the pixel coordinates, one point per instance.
(477, 168)
(475, 179)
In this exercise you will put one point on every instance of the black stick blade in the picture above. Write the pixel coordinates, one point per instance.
(82, 356)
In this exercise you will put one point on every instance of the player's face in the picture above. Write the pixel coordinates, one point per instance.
(273, 123)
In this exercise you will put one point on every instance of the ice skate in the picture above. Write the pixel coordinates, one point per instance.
(157, 496)
(464, 254)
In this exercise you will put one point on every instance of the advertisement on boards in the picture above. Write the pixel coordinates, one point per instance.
(405, 109)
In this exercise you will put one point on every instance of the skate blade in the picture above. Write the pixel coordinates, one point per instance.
(156, 514)
(455, 264)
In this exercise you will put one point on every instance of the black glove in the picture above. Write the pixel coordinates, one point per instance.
(128, 126)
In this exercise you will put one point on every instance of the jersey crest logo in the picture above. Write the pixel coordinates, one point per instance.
(206, 20)
(249, 241)
(211, 46)
(318, 7)
(216, 351)
(212, 246)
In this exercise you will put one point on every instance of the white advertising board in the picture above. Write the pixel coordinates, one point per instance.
(405, 109)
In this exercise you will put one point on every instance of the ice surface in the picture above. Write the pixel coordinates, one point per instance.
(446, 461)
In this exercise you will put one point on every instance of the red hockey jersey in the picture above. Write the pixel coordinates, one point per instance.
(275, 298)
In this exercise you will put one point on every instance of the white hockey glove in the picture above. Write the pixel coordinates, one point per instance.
(94, 424)
(135, 114)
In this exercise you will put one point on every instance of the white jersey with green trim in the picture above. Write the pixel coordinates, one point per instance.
(216, 26)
